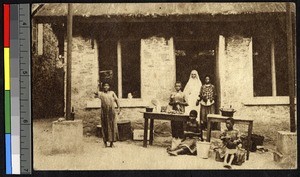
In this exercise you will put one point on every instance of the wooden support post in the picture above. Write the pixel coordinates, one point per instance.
(40, 40)
(273, 67)
(291, 66)
(69, 61)
(119, 55)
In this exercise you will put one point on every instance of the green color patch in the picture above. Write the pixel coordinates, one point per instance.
(7, 112)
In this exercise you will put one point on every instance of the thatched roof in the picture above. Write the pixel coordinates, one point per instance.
(160, 9)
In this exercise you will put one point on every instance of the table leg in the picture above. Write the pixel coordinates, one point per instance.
(145, 132)
(151, 131)
(208, 130)
(250, 126)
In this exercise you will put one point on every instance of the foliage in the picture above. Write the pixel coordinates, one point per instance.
(47, 79)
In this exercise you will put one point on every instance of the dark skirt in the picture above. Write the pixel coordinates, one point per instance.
(204, 111)
(177, 129)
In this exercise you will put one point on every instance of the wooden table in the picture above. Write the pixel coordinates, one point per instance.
(218, 118)
(161, 116)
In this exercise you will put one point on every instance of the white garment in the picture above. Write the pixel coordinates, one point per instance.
(192, 90)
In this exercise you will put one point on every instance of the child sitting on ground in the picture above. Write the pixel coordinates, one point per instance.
(231, 143)
(191, 134)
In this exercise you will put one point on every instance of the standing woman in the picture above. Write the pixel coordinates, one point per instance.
(206, 98)
(108, 114)
(191, 91)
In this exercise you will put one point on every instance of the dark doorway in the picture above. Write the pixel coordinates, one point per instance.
(195, 55)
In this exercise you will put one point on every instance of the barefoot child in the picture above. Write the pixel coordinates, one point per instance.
(178, 102)
(231, 141)
(108, 114)
(206, 98)
(192, 133)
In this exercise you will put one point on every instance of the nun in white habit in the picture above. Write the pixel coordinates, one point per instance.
(191, 91)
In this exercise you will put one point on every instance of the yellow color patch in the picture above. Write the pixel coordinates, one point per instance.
(6, 69)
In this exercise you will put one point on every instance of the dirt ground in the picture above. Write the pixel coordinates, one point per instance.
(128, 155)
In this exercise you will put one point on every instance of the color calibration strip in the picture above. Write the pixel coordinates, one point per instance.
(7, 101)
(17, 88)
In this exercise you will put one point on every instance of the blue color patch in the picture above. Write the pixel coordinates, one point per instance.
(8, 153)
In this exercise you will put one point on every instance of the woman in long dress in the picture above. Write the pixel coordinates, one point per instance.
(108, 115)
(191, 91)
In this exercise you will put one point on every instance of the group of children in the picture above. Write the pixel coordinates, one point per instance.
(193, 130)
(231, 141)
(188, 135)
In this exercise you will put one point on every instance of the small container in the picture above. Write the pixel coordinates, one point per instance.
(129, 96)
(227, 112)
(72, 117)
(99, 131)
(148, 109)
(257, 139)
(124, 129)
(218, 157)
(203, 149)
(164, 109)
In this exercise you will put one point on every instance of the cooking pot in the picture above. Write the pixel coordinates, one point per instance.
(228, 112)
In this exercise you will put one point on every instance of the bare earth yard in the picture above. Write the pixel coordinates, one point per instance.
(127, 155)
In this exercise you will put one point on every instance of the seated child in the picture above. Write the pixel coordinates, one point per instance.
(231, 142)
(191, 134)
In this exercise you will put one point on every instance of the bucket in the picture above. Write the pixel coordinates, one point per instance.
(124, 130)
(203, 149)
(99, 131)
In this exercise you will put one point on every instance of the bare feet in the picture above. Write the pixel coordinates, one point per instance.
(172, 153)
(227, 166)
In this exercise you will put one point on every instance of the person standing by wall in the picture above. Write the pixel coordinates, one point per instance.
(191, 90)
(206, 98)
(108, 114)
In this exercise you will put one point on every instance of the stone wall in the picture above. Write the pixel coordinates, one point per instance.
(84, 81)
(235, 71)
(158, 70)
(236, 76)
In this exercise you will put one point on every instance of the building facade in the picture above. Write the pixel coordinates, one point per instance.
(145, 48)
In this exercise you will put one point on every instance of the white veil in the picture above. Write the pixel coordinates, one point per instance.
(192, 90)
(193, 85)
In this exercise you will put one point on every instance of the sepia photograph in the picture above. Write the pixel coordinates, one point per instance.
(164, 86)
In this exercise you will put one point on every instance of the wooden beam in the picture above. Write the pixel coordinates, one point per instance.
(119, 58)
(291, 66)
(273, 68)
(69, 61)
(40, 40)
(170, 18)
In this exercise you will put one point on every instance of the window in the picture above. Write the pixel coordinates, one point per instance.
(119, 64)
(131, 75)
(270, 66)
(262, 66)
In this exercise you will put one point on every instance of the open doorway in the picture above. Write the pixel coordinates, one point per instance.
(200, 56)
(195, 55)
